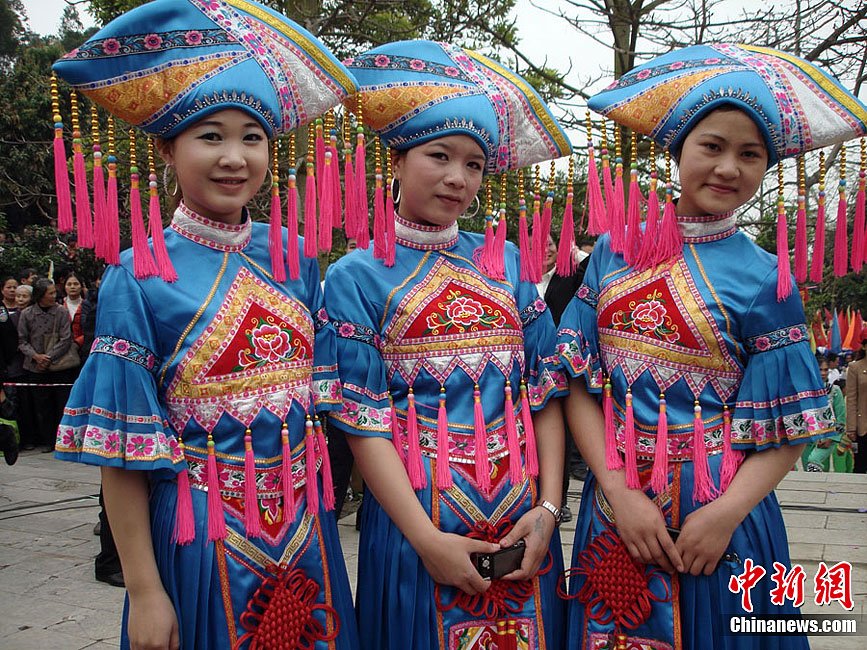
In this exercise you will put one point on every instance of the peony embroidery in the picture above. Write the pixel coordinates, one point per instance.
(193, 37)
(648, 317)
(269, 343)
(111, 46)
(139, 446)
(459, 313)
(152, 41)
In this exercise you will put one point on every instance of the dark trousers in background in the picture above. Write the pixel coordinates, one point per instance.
(108, 561)
(47, 402)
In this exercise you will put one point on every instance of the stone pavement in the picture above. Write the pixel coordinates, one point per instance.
(50, 600)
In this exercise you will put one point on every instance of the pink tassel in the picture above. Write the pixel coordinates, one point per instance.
(361, 206)
(784, 268)
(310, 237)
(483, 469)
(650, 240)
(659, 475)
(396, 437)
(287, 480)
(100, 224)
(547, 217)
(350, 220)
(216, 520)
(670, 240)
(61, 182)
(485, 253)
(185, 522)
(818, 263)
(703, 489)
(801, 239)
(337, 218)
(310, 469)
(143, 263)
(252, 522)
(155, 220)
(444, 473)
(841, 237)
(633, 238)
(415, 467)
(499, 258)
(112, 252)
(379, 219)
(617, 212)
(319, 149)
(609, 188)
(731, 458)
(293, 260)
(858, 238)
(524, 244)
(632, 480)
(327, 478)
(326, 202)
(612, 457)
(275, 236)
(390, 243)
(531, 454)
(512, 443)
(82, 198)
(595, 204)
(565, 261)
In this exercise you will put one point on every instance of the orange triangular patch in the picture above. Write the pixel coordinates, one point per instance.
(136, 100)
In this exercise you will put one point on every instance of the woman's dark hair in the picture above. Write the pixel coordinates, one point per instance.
(6, 279)
(77, 276)
(39, 289)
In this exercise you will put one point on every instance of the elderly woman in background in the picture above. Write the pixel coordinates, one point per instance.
(45, 339)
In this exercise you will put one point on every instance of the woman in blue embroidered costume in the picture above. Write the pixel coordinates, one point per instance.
(446, 369)
(701, 356)
(201, 398)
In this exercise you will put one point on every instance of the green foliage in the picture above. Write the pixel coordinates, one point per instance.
(38, 247)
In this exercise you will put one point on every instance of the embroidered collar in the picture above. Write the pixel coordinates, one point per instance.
(425, 238)
(697, 230)
(225, 237)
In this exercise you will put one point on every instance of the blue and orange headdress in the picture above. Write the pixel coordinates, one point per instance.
(412, 92)
(162, 67)
(796, 106)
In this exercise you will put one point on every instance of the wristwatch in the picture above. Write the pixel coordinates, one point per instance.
(554, 510)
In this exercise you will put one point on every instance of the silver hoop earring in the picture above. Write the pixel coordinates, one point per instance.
(470, 215)
(174, 192)
(395, 190)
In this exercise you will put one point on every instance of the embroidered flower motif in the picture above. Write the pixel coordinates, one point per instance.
(193, 37)
(644, 74)
(349, 61)
(677, 65)
(416, 65)
(346, 330)
(649, 315)
(796, 334)
(381, 61)
(464, 311)
(712, 61)
(583, 291)
(452, 71)
(540, 305)
(120, 347)
(153, 41)
(763, 343)
(271, 343)
(111, 46)
(67, 438)
(112, 442)
(140, 446)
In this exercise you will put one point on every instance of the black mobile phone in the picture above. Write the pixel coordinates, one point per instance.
(493, 566)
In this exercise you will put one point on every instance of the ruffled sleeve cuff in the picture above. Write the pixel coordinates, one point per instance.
(782, 399)
(545, 377)
(113, 417)
(365, 408)
(577, 340)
